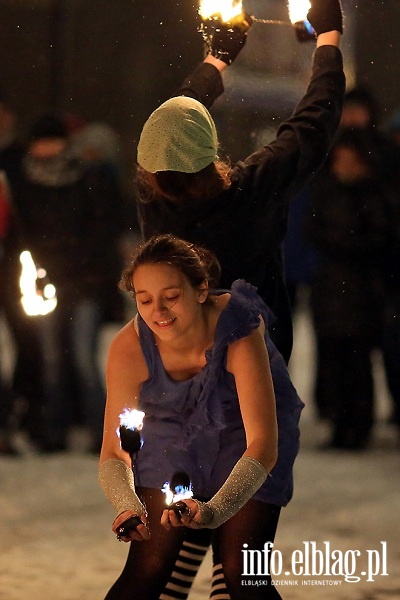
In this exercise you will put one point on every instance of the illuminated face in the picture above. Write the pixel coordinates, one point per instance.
(166, 300)
(46, 148)
(348, 165)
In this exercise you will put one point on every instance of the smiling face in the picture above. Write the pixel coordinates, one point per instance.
(167, 302)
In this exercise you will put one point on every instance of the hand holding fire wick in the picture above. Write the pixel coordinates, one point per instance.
(131, 423)
(309, 18)
(225, 40)
(178, 513)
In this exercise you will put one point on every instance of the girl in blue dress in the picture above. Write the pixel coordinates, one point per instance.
(219, 406)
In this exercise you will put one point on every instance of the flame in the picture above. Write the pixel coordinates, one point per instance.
(34, 301)
(180, 492)
(225, 9)
(131, 419)
(298, 10)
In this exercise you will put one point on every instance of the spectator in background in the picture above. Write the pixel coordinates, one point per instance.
(11, 149)
(391, 332)
(9, 247)
(25, 385)
(98, 144)
(361, 111)
(352, 226)
(300, 256)
(71, 217)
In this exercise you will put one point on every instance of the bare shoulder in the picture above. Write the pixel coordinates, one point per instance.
(125, 352)
(251, 348)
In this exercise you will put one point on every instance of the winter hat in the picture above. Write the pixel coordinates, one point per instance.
(180, 135)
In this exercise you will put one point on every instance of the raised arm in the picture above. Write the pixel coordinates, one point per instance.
(303, 141)
(205, 83)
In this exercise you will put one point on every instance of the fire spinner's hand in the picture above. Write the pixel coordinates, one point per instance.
(227, 39)
(139, 534)
(326, 15)
(187, 518)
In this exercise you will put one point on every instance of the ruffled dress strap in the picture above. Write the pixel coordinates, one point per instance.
(241, 315)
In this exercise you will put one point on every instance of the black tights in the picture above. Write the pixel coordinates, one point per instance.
(164, 567)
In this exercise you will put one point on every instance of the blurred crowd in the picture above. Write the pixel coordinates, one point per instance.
(61, 199)
(342, 247)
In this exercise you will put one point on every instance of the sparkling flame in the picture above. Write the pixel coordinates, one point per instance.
(34, 301)
(180, 492)
(298, 10)
(131, 419)
(224, 9)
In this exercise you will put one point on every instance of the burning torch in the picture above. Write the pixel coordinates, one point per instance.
(178, 489)
(231, 11)
(131, 423)
(38, 295)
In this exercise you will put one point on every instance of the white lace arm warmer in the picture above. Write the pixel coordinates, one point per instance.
(117, 482)
(245, 479)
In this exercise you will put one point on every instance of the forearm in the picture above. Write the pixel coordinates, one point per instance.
(216, 62)
(329, 38)
(303, 141)
(204, 84)
(246, 477)
(117, 482)
(222, 46)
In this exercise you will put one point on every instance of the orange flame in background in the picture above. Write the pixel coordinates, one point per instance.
(298, 10)
(35, 300)
(226, 10)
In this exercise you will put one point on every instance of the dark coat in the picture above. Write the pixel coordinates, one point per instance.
(72, 231)
(353, 228)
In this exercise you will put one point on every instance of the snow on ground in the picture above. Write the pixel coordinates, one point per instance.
(56, 542)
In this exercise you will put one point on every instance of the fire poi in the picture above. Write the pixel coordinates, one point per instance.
(231, 11)
(38, 295)
(178, 489)
(131, 423)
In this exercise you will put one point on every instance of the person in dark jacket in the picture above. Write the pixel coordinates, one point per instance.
(9, 252)
(240, 213)
(69, 216)
(25, 381)
(352, 224)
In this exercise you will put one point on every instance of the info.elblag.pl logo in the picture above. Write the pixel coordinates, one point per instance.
(351, 565)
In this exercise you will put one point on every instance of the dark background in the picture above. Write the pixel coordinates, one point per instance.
(116, 60)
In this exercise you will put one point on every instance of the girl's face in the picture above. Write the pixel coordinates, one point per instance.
(166, 300)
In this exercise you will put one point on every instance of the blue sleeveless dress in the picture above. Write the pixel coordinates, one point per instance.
(195, 426)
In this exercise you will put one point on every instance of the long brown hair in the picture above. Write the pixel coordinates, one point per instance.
(177, 186)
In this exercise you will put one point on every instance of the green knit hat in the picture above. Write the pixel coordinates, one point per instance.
(180, 135)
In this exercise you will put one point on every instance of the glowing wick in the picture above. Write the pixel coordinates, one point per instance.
(35, 301)
(298, 10)
(131, 422)
(131, 419)
(179, 493)
(227, 10)
(180, 488)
